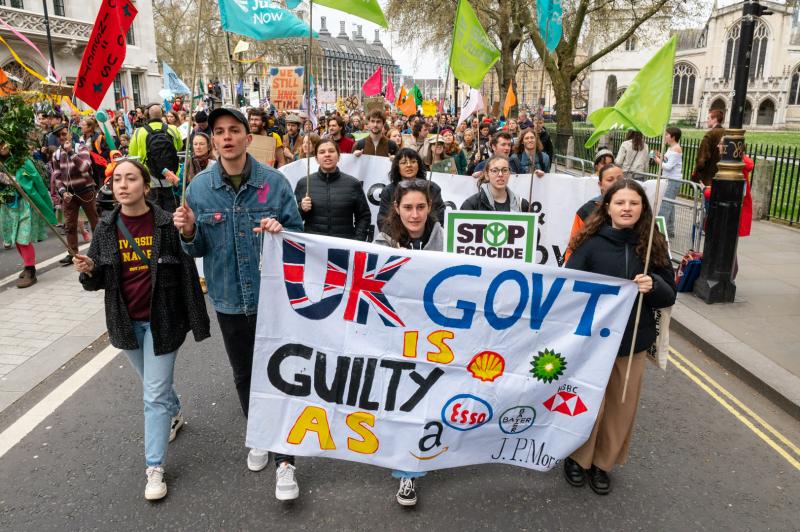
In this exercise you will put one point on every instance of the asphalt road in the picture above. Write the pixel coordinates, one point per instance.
(693, 466)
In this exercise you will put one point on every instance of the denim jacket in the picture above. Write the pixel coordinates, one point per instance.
(224, 234)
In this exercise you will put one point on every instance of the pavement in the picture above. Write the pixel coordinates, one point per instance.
(758, 335)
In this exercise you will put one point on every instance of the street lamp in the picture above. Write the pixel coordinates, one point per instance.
(49, 39)
(715, 283)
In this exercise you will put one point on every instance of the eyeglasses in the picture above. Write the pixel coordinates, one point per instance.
(499, 171)
(416, 184)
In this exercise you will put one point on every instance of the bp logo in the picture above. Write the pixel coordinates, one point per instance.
(495, 234)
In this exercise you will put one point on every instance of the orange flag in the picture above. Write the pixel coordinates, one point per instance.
(5, 84)
(401, 97)
(408, 107)
(511, 100)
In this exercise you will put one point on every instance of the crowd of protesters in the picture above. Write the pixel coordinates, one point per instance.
(141, 252)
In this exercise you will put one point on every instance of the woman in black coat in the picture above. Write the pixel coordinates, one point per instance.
(614, 242)
(408, 164)
(332, 203)
(152, 299)
(493, 192)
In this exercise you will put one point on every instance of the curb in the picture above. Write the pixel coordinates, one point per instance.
(768, 378)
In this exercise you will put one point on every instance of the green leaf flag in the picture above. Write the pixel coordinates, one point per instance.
(366, 9)
(647, 102)
(473, 54)
(417, 94)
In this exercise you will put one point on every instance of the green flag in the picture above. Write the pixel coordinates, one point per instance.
(417, 94)
(366, 9)
(647, 102)
(472, 54)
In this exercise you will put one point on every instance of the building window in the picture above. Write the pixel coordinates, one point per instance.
(631, 44)
(13, 3)
(794, 89)
(129, 38)
(58, 8)
(135, 89)
(118, 92)
(758, 54)
(683, 78)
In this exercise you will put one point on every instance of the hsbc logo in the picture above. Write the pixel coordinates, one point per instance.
(566, 401)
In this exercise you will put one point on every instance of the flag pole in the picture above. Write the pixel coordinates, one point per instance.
(541, 112)
(308, 90)
(232, 88)
(646, 266)
(188, 167)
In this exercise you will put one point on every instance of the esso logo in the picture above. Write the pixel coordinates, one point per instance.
(466, 412)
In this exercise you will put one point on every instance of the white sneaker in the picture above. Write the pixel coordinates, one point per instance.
(156, 487)
(257, 459)
(177, 423)
(286, 488)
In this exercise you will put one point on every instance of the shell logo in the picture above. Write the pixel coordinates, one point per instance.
(487, 366)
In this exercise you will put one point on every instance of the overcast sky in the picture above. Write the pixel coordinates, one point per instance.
(412, 61)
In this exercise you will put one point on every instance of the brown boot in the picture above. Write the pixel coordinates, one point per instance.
(26, 278)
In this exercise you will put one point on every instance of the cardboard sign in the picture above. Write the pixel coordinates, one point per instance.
(263, 149)
(497, 235)
(447, 166)
(286, 87)
(374, 103)
(326, 97)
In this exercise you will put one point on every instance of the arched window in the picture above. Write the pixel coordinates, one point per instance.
(683, 78)
(611, 90)
(631, 44)
(794, 88)
(758, 54)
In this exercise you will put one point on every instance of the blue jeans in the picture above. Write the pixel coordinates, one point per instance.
(667, 208)
(160, 400)
(408, 474)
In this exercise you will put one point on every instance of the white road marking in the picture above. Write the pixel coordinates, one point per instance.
(31, 419)
(41, 265)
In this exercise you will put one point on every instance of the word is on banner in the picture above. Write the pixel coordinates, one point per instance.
(424, 360)
(491, 234)
(286, 84)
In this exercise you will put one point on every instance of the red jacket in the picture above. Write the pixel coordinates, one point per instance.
(345, 144)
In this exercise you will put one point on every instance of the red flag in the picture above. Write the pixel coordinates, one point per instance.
(373, 85)
(390, 90)
(105, 52)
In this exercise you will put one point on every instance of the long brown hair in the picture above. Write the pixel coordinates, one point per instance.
(520, 147)
(394, 225)
(600, 217)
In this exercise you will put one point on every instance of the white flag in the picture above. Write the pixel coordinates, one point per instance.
(472, 104)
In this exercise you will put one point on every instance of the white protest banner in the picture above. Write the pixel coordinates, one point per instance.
(556, 197)
(503, 235)
(422, 360)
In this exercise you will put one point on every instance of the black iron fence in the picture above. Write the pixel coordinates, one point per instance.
(785, 194)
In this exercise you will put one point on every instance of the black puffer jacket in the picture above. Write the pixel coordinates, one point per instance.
(177, 304)
(613, 252)
(386, 203)
(338, 205)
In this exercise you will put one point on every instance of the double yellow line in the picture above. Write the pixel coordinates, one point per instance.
(787, 450)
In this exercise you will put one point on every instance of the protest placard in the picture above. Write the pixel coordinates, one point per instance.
(423, 360)
(286, 87)
(500, 235)
(262, 147)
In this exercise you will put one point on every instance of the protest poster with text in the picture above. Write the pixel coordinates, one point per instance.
(286, 87)
(423, 360)
(497, 235)
(556, 197)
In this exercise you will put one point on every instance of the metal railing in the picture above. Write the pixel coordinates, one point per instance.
(682, 205)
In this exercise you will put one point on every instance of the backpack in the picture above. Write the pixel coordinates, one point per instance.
(688, 271)
(161, 152)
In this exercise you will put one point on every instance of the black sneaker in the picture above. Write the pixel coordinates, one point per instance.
(574, 473)
(599, 481)
(66, 261)
(407, 494)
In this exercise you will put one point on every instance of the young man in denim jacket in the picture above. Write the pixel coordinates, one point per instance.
(224, 203)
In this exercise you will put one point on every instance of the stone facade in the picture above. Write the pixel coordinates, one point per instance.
(71, 23)
(705, 63)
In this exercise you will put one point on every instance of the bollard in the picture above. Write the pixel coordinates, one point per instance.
(761, 188)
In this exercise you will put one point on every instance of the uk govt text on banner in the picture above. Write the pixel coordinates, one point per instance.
(423, 360)
(497, 235)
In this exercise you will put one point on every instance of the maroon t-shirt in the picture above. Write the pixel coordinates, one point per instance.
(136, 286)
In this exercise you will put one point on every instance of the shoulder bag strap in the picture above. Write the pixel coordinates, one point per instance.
(131, 241)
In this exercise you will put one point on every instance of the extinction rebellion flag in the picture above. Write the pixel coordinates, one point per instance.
(105, 52)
